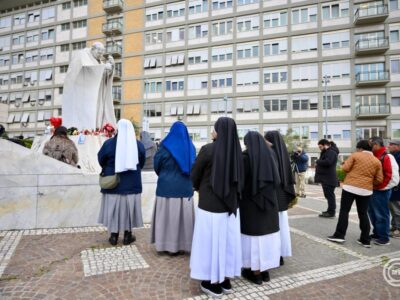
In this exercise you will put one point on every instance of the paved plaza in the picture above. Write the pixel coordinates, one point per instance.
(78, 263)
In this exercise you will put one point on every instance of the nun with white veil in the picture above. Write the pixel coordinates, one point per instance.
(121, 206)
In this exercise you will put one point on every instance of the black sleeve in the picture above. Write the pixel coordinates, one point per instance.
(329, 159)
(198, 168)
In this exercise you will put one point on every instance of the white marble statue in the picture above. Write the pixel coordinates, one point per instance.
(87, 97)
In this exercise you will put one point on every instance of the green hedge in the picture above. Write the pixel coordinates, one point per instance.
(340, 174)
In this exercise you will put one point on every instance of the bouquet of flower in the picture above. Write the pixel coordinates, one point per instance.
(108, 130)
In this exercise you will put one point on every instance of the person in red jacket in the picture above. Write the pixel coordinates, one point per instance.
(378, 211)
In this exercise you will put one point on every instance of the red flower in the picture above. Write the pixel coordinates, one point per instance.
(56, 122)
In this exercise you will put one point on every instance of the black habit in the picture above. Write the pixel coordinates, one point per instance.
(259, 205)
(217, 173)
(285, 191)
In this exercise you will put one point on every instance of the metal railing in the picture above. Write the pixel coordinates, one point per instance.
(372, 76)
(115, 25)
(378, 109)
(110, 49)
(374, 43)
(371, 11)
(112, 3)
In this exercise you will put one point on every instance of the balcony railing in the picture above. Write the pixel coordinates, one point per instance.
(117, 74)
(372, 46)
(372, 78)
(113, 6)
(112, 28)
(114, 50)
(366, 111)
(372, 14)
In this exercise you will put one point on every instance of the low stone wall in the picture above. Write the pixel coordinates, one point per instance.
(39, 192)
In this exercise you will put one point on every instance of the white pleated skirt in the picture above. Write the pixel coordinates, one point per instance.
(121, 212)
(261, 253)
(216, 247)
(172, 225)
(286, 244)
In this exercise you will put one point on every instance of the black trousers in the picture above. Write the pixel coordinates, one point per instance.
(329, 194)
(362, 210)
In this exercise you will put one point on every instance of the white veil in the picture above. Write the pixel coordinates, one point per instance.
(126, 154)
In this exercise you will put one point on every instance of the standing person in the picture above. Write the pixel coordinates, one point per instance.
(394, 204)
(378, 211)
(259, 214)
(363, 172)
(60, 147)
(285, 191)
(150, 147)
(173, 217)
(121, 206)
(218, 177)
(300, 158)
(325, 173)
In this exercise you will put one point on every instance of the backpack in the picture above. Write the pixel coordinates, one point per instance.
(394, 181)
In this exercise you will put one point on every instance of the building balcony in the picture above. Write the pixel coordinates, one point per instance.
(369, 15)
(117, 74)
(114, 50)
(372, 46)
(112, 28)
(372, 78)
(117, 98)
(113, 6)
(373, 111)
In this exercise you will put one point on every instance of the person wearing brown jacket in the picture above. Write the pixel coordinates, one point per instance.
(363, 172)
(60, 147)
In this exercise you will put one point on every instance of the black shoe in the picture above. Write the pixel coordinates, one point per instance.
(226, 287)
(373, 236)
(364, 244)
(281, 261)
(335, 239)
(113, 238)
(326, 214)
(265, 276)
(128, 238)
(250, 276)
(213, 290)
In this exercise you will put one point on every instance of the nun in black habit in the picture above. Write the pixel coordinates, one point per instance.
(217, 175)
(285, 191)
(259, 219)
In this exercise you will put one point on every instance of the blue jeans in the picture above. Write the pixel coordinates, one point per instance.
(379, 214)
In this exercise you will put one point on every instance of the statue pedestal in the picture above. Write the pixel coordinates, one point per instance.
(37, 191)
(87, 152)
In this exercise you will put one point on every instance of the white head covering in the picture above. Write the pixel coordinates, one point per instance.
(126, 154)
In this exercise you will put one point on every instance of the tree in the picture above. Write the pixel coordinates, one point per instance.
(293, 140)
(136, 126)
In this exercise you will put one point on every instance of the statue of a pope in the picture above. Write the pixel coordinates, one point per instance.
(87, 97)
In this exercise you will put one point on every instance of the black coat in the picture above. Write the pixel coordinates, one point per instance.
(201, 178)
(325, 171)
(253, 220)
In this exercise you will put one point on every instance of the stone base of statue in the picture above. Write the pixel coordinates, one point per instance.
(37, 191)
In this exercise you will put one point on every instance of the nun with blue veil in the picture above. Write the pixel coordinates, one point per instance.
(121, 206)
(173, 215)
(218, 177)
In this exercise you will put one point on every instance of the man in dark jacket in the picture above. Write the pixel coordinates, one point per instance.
(325, 173)
(300, 158)
(394, 204)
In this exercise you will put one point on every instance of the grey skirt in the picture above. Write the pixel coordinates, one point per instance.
(121, 212)
(173, 224)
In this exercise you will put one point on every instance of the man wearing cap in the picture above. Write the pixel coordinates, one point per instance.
(300, 158)
(394, 204)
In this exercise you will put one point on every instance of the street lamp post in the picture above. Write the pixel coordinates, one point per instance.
(226, 105)
(145, 108)
(326, 81)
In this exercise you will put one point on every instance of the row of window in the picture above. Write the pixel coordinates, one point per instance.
(36, 15)
(44, 35)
